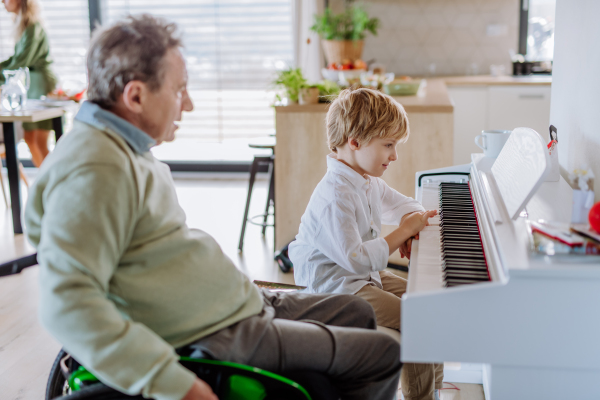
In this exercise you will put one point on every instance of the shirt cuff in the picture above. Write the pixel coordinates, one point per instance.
(172, 383)
(378, 252)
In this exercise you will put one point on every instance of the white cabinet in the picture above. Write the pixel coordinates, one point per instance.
(514, 106)
(470, 114)
(496, 107)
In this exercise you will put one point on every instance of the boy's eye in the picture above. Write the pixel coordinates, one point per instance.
(389, 146)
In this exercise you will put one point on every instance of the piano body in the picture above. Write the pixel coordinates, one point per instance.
(533, 324)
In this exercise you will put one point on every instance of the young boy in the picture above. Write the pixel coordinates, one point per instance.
(339, 247)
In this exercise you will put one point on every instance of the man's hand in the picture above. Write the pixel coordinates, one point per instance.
(200, 391)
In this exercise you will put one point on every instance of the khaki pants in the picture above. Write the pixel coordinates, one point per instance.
(418, 381)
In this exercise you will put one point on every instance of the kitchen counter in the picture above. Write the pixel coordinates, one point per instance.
(432, 97)
(488, 80)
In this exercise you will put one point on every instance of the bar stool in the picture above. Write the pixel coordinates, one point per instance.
(268, 160)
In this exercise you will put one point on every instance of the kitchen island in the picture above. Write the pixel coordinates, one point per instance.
(302, 147)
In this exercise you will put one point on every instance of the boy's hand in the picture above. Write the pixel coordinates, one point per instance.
(200, 391)
(415, 222)
(408, 229)
(405, 248)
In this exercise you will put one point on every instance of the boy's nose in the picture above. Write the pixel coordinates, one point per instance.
(394, 156)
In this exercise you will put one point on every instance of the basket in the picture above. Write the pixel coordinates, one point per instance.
(337, 51)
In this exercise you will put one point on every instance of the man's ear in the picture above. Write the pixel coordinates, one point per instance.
(134, 94)
(353, 144)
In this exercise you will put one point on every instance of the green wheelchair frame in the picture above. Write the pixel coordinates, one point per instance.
(228, 380)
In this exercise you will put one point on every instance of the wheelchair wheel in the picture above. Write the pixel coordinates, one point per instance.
(56, 379)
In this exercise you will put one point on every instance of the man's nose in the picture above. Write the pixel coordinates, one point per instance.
(187, 104)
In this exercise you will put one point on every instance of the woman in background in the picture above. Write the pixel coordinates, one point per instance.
(32, 50)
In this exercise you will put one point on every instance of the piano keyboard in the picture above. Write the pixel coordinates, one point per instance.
(450, 249)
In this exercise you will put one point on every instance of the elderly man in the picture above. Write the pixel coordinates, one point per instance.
(124, 281)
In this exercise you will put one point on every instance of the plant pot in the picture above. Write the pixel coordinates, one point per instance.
(308, 96)
(338, 50)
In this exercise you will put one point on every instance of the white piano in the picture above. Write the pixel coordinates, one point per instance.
(526, 326)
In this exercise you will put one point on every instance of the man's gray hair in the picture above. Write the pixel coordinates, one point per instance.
(132, 49)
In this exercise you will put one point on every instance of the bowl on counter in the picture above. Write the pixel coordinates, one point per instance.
(402, 87)
(340, 76)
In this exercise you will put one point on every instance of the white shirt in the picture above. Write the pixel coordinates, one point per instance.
(339, 248)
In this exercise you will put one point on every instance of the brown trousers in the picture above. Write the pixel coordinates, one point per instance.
(418, 381)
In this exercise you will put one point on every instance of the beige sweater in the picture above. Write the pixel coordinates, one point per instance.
(123, 280)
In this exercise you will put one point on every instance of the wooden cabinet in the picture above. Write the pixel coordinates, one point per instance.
(496, 107)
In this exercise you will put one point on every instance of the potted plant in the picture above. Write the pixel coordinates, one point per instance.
(342, 34)
(328, 91)
(292, 81)
(309, 94)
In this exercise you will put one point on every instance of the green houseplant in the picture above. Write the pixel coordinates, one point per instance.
(342, 34)
(291, 80)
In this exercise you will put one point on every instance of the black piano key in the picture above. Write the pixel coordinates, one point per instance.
(471, 277)
(463, 259)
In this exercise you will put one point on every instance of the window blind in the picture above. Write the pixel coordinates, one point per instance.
(232, 49)
(67, 25)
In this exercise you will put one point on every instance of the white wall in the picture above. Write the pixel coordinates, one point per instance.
(575, 107)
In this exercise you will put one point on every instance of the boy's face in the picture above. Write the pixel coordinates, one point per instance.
(375, 157)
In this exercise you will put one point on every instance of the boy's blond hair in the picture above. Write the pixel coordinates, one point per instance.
(364, 114)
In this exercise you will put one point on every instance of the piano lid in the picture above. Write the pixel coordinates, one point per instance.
(520, 169)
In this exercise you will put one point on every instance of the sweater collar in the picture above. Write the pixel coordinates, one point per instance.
(94, 115)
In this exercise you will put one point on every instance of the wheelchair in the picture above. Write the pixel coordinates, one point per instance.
(69, 380)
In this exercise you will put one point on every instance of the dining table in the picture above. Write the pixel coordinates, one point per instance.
(9, 121)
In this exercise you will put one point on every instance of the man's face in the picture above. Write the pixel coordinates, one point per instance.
(375, 157)
(165, 106)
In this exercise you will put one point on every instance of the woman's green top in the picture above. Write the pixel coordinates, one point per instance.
(33, 51)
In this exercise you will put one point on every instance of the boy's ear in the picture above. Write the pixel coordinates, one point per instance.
(353, 144)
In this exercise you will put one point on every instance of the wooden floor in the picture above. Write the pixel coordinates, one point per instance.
(214, 204)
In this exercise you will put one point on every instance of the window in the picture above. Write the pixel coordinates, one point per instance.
(537, 29)
(232, 48)
(68, 29)
(67, 25)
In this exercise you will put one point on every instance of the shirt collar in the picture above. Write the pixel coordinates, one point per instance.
(339, 168)
(92, 114)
